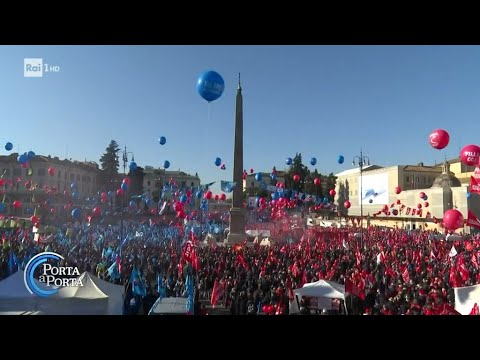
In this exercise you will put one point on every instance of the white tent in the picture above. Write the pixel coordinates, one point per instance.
(319, 289)
(95, 297)
(14, 296)
(466, 297)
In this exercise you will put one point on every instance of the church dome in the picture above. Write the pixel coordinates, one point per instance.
(446, 178)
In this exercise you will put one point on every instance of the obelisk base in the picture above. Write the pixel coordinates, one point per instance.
(237, 227)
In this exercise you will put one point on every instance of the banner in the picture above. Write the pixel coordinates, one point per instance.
(474, 185)
(472, 220)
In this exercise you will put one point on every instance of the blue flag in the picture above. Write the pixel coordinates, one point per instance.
(161, 287)
(190, 294)
(227, 186)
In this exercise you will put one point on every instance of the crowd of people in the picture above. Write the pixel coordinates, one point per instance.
(385, 271)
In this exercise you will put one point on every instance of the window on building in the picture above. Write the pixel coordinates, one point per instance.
(17, 172)
(193, 184)
(407, 179)
(42, 172)
(184, 184)
(59, 174)
(418, 180)
(72, 176)
(424, 179)
(148, 183)
(66, 176)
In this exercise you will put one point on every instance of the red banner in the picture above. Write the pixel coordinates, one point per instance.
(474, 185)
(472, 220)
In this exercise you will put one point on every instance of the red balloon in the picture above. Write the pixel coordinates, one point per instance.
(398, 202)
(126, 181)
(97, 211)
(332, 192)
(2, 182)
(281, 185)
(17, 204)
(104, 195)
(419, 206)
(439, 139)
(119, 192)
(398, 190)
(395, 212)
(426, 204)
(52, 211)
(208, 195)
(453, 219)
(223, 197)
(216, 197)
(296, 178)
(34, 219)
(347, 204)
(178, 206)
(316, 181)
(470, 154)
(51, 171)
(422, 195)
(251, 171)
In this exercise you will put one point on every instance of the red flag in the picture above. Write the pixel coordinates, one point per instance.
(475, 310)
(408, 211)
(304, 279)
(462, 269)
(217, 292)
(406, 275)
(195, 262)
(351, 288)
(187, 251)
(472, 220)
(414, 211)
(474, 261)
(290, 293)
(474, 185)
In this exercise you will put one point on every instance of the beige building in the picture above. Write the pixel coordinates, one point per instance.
(440, 184)
(66, 172)
(251, 182)
(154, 180)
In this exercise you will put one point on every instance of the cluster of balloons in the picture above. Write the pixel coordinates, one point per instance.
(25, 157)
(210, 85)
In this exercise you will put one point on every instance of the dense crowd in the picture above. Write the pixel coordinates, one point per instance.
(386, 271)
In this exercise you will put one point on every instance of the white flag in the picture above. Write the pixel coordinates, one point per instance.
(453, 252)
(163, 208)
(345, 245)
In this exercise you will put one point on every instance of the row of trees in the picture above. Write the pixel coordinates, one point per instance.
(306, 183)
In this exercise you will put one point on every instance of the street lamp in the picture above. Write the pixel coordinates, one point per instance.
(361, 160)
(124, 160)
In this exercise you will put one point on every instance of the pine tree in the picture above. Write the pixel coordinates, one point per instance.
(109, 162)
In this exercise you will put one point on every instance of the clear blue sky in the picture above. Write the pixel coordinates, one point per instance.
(322, 101)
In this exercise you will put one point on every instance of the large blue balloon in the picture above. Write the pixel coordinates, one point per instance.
(341, 159)
(30, 155)
(162, 140)
(218, 161)
(258, 177)
(313, 161)
(76, 213)
(133, 166)
(166, 164)
(183, 198)
(8, 146)
(210, 85)
(199, 194)
(288, 161)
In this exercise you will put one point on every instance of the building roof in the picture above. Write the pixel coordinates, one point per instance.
(421, 168)
(357, 170)
(87, 165)
(446, 178)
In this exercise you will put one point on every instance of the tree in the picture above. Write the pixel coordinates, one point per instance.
(297, 168)
(110, 164)
(109, 160)
(136, 181)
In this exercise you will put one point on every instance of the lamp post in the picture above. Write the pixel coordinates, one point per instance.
(124, 160)
(361, 160)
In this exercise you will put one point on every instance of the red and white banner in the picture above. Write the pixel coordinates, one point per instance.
(472, 220)
(474, 185)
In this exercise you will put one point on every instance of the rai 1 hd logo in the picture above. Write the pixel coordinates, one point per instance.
(37, 67)
(43, 275)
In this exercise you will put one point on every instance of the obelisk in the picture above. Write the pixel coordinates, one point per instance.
(237, 212)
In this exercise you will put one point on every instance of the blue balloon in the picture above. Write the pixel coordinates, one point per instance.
(124, 186)
(8, 146)
(199, 194)
(289, 161)
(22, 159)
(132, 203)
(370, 201)
(30, 155)
(469, 195)
(73, 185)
(29, 211)
(133, 166)
(313, 161)
(183, 198)
(110, 193)
(340, 159)
(210, 85)
(218, 161)
(162, 140)
(425, 198)
(2, 207)
(258, 177)
(166, 164)
(76, 213)
(149, 202)
(75, 195)
(325, 200)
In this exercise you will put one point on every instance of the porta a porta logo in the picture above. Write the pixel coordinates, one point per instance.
(53, 276)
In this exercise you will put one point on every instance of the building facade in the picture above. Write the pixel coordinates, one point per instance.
(154, 179)
(48, 185)
(251, 182)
